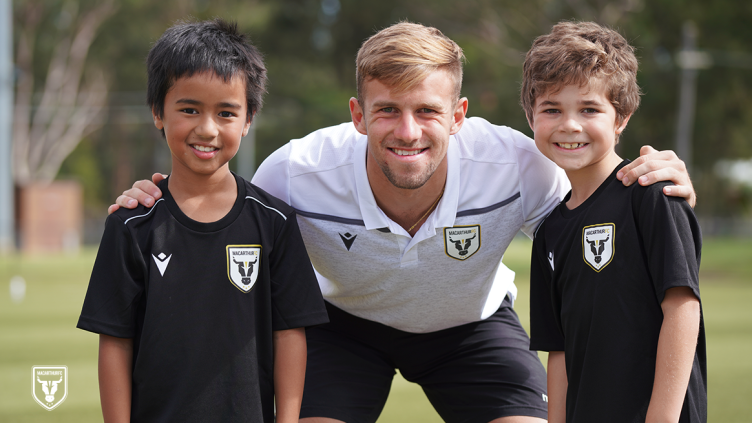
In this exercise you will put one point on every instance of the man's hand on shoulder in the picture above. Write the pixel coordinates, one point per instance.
(654, 166)
(144, 192)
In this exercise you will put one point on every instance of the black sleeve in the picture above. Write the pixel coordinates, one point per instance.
(116, 286)
(545, 327)
(672, 241)
(296, 296)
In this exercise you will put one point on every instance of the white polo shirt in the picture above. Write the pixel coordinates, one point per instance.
(450, 273)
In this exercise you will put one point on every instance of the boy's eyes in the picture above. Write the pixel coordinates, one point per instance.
(224, 114)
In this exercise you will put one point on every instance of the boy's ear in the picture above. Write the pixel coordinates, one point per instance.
(622, 125)
(530, 122)
(248, 120)
(157, 120)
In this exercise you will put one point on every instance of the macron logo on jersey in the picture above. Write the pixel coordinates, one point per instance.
(162, 261)
(551, 259)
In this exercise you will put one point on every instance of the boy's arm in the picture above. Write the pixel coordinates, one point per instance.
(289, 373)
(115, 364)
(676, 351)
(557, 387)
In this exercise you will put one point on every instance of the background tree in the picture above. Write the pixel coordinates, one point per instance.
(47, 131)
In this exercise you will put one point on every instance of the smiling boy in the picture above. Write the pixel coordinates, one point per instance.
(200, 300)
(614, 275)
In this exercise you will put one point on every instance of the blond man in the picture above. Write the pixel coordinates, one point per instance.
(406, 213)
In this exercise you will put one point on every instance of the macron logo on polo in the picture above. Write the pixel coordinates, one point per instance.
(162, 261)
(348, 239)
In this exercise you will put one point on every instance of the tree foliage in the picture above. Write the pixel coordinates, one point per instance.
(310, 48)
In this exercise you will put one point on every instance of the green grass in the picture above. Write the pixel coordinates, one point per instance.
(41, 331)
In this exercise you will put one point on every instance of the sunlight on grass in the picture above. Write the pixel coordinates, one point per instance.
(40, 330)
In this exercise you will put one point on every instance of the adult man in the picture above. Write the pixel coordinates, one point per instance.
(406, 215)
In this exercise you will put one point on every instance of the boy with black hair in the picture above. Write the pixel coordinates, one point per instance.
(614, 275)
(201, 300)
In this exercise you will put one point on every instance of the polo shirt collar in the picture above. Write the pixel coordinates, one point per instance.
(445, 212)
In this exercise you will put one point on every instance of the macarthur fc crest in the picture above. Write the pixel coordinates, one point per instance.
(243, 263)
(49, 385)
(598, 245)
(461, 242)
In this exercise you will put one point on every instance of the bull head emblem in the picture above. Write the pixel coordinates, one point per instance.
(49, 387)
(596, 247)
(245, 268)
(459, 245)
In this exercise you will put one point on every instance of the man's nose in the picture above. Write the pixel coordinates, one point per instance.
(408, 128)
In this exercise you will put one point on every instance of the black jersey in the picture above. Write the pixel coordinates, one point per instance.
(598, 277)
(201, 302)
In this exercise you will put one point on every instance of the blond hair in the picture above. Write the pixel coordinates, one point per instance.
(582, 53)
(404, 54)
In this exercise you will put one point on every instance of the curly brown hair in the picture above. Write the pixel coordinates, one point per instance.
(581, 53)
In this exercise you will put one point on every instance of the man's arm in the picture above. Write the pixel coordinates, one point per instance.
(115, 363)
(654, 166)
(676, 351)
(289, 373)
(557, 387)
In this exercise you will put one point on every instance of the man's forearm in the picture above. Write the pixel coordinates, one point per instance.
(289, 373)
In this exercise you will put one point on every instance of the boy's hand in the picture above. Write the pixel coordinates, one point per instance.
(143, 191)
(653, 166)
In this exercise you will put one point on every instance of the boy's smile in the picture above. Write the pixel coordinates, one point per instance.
(576, 128)
(204, 119)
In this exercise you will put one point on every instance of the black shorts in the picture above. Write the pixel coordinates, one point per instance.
(476, 372)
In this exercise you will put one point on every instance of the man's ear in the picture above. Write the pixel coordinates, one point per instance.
(248, 120)
(157, 120)
(459, 116)
(356, 112)
(530, 122)
(623, 125)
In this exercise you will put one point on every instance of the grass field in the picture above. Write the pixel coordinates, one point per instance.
(40, 330)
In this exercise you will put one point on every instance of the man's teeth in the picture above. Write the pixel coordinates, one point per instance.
(406, 152)
(204, 149)
(571, 146)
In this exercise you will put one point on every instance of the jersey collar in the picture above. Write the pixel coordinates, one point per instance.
(446, 210)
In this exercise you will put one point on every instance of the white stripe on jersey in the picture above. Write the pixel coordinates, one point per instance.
(143, 215)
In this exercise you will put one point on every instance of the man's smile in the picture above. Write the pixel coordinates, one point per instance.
(401, 152)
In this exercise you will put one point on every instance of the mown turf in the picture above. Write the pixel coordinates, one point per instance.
(41, 331)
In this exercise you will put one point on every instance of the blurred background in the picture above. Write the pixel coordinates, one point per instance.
(75, 132)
